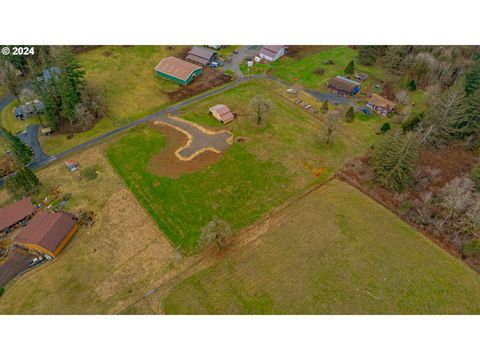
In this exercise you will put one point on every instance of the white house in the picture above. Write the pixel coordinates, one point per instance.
(272, 52)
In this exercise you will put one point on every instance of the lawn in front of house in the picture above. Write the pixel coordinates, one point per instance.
(12, 124)
(336, 251)
(272, 163)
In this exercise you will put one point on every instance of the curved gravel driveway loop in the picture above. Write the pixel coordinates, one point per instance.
(199, 138)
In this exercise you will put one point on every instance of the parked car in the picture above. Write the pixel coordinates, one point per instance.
(47, 257)
(235, 52)
(35, 261)
(213, 64)
(367, 111)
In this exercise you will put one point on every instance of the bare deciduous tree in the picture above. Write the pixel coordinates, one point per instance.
(331, 124)
(216, 232)
(261, 107)
(9, 79)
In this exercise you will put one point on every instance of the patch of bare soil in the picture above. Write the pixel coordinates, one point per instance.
(435, 168)
(168, 164)
(210, 78)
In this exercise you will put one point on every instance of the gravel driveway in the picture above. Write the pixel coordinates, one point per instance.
(200, 139)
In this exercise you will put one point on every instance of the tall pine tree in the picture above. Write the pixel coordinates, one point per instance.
(394, 159)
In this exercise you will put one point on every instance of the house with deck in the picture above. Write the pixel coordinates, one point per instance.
(381, 105)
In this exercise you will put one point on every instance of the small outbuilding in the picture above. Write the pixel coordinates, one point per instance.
(15, 213)
(381, 105)
(272, 52)
(178, 70)
(201, 55)
(72, 165)
(47, 233)
(222, 113)
(344, 85)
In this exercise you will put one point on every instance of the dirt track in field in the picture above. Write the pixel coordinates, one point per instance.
(168, 164)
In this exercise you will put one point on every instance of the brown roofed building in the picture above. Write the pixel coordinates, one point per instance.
(48, 233)
(222, 113)
(201, 55)
(381, 105)
(16, 212)
(178, 70)
(344, 85)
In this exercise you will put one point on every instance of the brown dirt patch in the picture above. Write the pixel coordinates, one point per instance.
(300, 51)
(168, 164)
(210, 78)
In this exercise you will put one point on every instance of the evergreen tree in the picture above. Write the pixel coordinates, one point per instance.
(350, 69)
(367, 54)
(472, 121)
(472, 78)
(393, 160)
(9, 79)
(22, 182)
(21, 151)
(448, 117)
(412, 85)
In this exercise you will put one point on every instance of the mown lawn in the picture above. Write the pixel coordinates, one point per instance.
(9, 122)
(275, 161)
(334, 252)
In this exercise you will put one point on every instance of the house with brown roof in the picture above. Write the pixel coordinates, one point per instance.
(344, 85)
(15, 213)
(47, 233)
(222, 113)
(201, 55)
(178, 70)
(381, 105)
(272, 52)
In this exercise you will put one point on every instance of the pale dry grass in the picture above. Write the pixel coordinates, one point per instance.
(104, 267)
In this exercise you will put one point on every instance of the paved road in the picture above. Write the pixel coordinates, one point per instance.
(235, 60)
(30, 137)
(41, 159)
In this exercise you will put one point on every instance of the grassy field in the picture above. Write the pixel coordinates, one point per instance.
(102, 268)
(125, 75)
(334, 252)
(275, 162)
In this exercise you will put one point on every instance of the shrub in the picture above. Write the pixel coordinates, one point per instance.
(350, 69)
(89, 173)
(475, 176)
(412, 122)
(412, 85)
(2, 290)
(385, 127)
(472, 248)
(350, 114)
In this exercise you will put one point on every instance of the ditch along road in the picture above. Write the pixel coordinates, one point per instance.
(30, 135)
